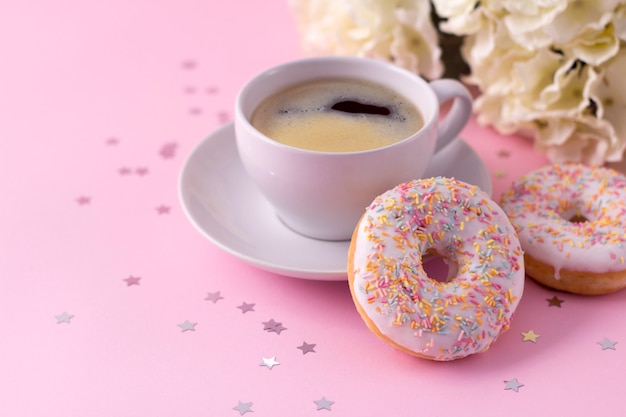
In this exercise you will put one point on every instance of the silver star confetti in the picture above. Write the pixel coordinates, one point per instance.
(64, 317)
(513, 385)
(307, 347)
(187, 326)
(607, 343)
(223, 116)
(189, 64)
(273, 326)
(245, 307)
(269, 363)
(243, 408)
(195, 111)
(324, 404)
(214, 296)
(163, 209)
(131, 280)
(168, 150)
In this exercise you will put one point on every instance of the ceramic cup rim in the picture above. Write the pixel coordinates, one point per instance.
(244, 108)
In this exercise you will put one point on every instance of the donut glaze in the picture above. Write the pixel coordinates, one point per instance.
(570, 219)
(395, 296)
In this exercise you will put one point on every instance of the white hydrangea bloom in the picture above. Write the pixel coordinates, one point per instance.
(619, 23)
(400, 31)
(579, 16)
(550, 69)
(596, 46)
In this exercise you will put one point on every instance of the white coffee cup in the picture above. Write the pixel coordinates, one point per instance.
(322, 195)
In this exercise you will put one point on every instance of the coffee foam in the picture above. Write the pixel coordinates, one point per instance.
(302, 116)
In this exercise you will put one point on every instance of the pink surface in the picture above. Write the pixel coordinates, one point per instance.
(100, 103)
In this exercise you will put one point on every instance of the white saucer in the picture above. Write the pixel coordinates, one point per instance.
(225, 207)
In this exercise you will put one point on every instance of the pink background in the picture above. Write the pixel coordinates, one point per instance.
(100, 104)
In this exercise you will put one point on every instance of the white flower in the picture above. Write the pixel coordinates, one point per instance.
(608, 92)
(578, 16)
(525, 20)
(563, 140)
(619, 23)
(400, 31)
(550, 69)
(596, 46)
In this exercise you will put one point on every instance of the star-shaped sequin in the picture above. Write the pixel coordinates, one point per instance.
(131, 280)
(324, 404)
(187, 326)
(214, 297)
(607, 343)
(189, 64)
(513, 385)
(163, 209)
(223, 116)
(243, 408)
(273, 326)
(124, 171)
(530, 336)
(554, 302)
(269, 363)
(500, 173)
(168, 151)
(245, 307)
(64, 318)
(307, 347)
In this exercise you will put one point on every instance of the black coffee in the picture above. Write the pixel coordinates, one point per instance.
(337, 115)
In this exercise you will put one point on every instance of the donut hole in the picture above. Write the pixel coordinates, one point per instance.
(439, 268)
(574, 213)
(578, 218)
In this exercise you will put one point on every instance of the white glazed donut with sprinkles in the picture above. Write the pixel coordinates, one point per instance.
(401, 304)
(571, 222)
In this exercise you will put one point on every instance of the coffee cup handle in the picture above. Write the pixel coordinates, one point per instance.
(459, 114)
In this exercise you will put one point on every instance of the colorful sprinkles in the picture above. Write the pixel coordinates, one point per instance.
(571, 216)
(459, 222)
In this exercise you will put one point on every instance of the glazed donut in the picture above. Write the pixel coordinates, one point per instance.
(401, 304)
(570, 219)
